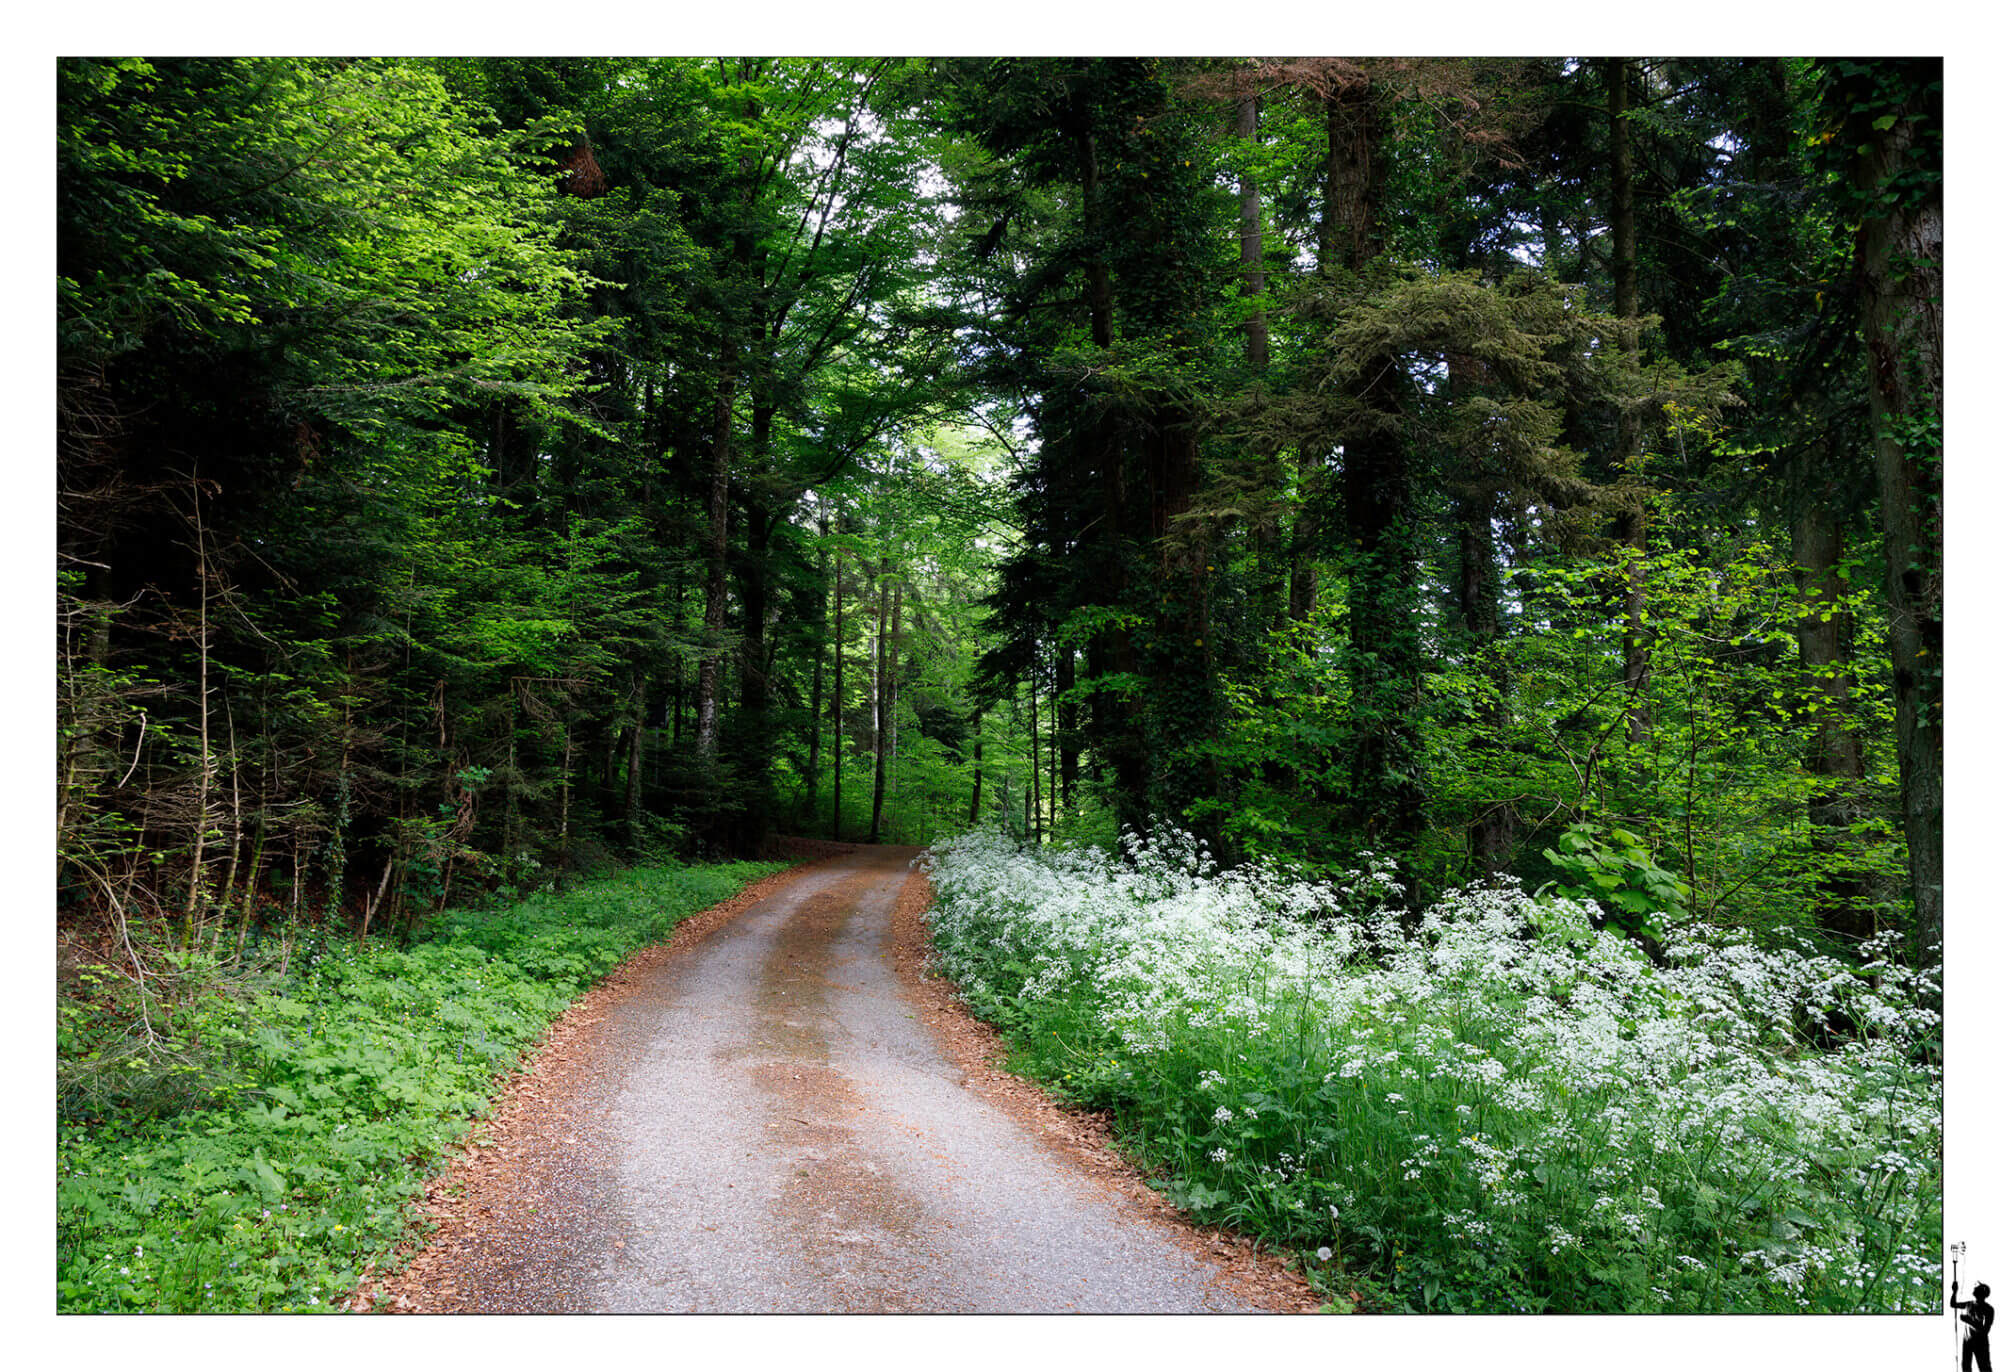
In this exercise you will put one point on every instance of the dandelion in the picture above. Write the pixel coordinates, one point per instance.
(1325, 1254)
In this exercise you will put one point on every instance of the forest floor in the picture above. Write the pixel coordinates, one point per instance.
(781, 1110)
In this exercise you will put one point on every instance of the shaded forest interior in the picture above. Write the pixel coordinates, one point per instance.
(473, 471)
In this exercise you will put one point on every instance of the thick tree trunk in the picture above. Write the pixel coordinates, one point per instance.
(1624, 234)
(1096, 271)
(894, 679)
(1250, 242)
(1385, 658)
(1630, 527)
(1834, 757)
(1353, 179)
(1900, 260)
(754, 657)
(1055, 791)
(1116, 724)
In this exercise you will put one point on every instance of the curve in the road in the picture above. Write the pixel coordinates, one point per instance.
(765, 1125)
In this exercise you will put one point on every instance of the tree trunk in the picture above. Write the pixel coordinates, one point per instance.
(1065, 723)
(1096, 271)
(635, 767)
(1386, 658)
(1034, 757)
(978, 763)
(1630, 527)
(895, 677)
(881, 731)
(813, 713)
(1834, 757)
(1304, 589)
(1491, 831)
(1055, 814)
(760, 529)
(893, 682)
(1900, 260)
(839, 679)
(753, 733)
(1250, 238)
(1266, 523)
(1624, 234)
(716, 595)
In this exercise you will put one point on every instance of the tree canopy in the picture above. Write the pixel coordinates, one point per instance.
(474, 470)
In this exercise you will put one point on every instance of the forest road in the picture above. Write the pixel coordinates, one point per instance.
(766, 1124)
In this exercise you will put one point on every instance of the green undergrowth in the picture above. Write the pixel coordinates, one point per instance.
(1503, 1105)
(319, 1100)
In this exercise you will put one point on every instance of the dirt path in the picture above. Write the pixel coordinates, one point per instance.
(766, 1116)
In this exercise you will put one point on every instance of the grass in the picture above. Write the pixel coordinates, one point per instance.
(277, 1151)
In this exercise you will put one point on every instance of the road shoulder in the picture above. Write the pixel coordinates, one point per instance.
(1082, 1137)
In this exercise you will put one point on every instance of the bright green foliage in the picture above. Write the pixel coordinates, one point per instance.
(1615, 870)
(318, 1098)
(1494, 1108)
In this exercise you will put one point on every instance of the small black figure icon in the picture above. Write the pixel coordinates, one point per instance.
(1978, 1323)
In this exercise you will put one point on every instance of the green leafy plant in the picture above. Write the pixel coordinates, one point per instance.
(1614, 868)
(280, 1159)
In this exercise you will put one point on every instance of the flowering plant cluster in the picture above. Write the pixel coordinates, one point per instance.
(1498, 1105)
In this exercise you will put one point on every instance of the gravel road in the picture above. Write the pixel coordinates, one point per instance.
(765, 1124)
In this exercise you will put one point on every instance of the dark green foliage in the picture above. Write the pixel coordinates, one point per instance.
(1615, 870)
(394, 575)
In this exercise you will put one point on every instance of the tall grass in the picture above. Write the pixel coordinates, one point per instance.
(1496, 1107)
(325, 1098)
